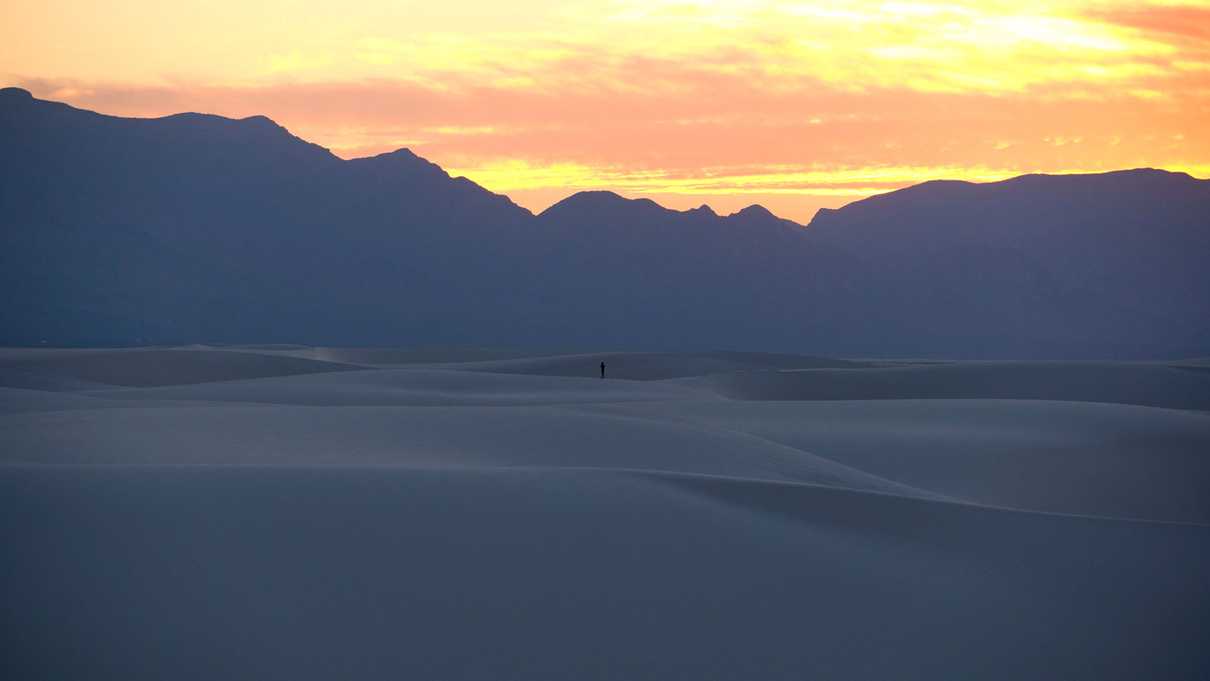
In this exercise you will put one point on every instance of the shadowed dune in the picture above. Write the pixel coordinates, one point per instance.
(20, 400)
(654, 366)
(149, 367)
(1149, 384)
(471, 574)
(386, 356)
(1071, 457)
(417, 387)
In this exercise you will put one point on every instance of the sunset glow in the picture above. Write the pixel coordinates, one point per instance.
(790, 104)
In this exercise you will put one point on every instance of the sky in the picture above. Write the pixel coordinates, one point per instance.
(793, 105)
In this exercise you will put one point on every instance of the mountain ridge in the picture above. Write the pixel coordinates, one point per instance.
(197, 228)
(270, 124)
(945, 184)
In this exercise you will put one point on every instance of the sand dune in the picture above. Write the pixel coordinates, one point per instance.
(1072, 457)
(19, 400)
(306, 515)
(649, 366)
(1143, 383)
(431, 437)
(388, 356)
(139, 367)
(300, 573)
(415, 387)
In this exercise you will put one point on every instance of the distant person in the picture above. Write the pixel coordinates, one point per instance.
(602, 369)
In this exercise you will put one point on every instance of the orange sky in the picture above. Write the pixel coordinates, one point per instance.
(793, 105)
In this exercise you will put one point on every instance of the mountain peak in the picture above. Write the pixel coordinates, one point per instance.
(759, 214)
(600, 200)
(262, 121)
(597, 196)
(754, 211)
(401, 152)
(403, 158)
(15, 93)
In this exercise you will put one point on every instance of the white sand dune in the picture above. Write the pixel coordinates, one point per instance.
(429, 437)
(1142, 383)
(306, 515)
(388, 356)
(649, 366)
(1072, 457)
(287, 572)
(139, 367)
(19, 400)
(415, 387)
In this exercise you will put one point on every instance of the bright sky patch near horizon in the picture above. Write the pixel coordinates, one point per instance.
(794, 105)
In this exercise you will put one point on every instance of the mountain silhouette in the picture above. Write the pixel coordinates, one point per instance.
(1069, 265)
(199, 228)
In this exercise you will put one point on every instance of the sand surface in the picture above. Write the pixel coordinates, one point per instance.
(319, 513)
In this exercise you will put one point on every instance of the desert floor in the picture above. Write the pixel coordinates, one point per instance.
(323, 513)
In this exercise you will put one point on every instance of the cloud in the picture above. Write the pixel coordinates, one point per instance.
(677, 98)
(1183, 22)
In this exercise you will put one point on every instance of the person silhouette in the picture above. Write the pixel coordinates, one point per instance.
(602, 369)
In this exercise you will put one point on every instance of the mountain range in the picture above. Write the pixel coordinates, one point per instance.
(199, 228)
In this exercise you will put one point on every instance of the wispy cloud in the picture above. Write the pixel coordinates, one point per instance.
(790, 100)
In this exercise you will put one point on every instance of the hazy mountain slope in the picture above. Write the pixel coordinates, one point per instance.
(197, 228)
(632, 271)
(1070, 265)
